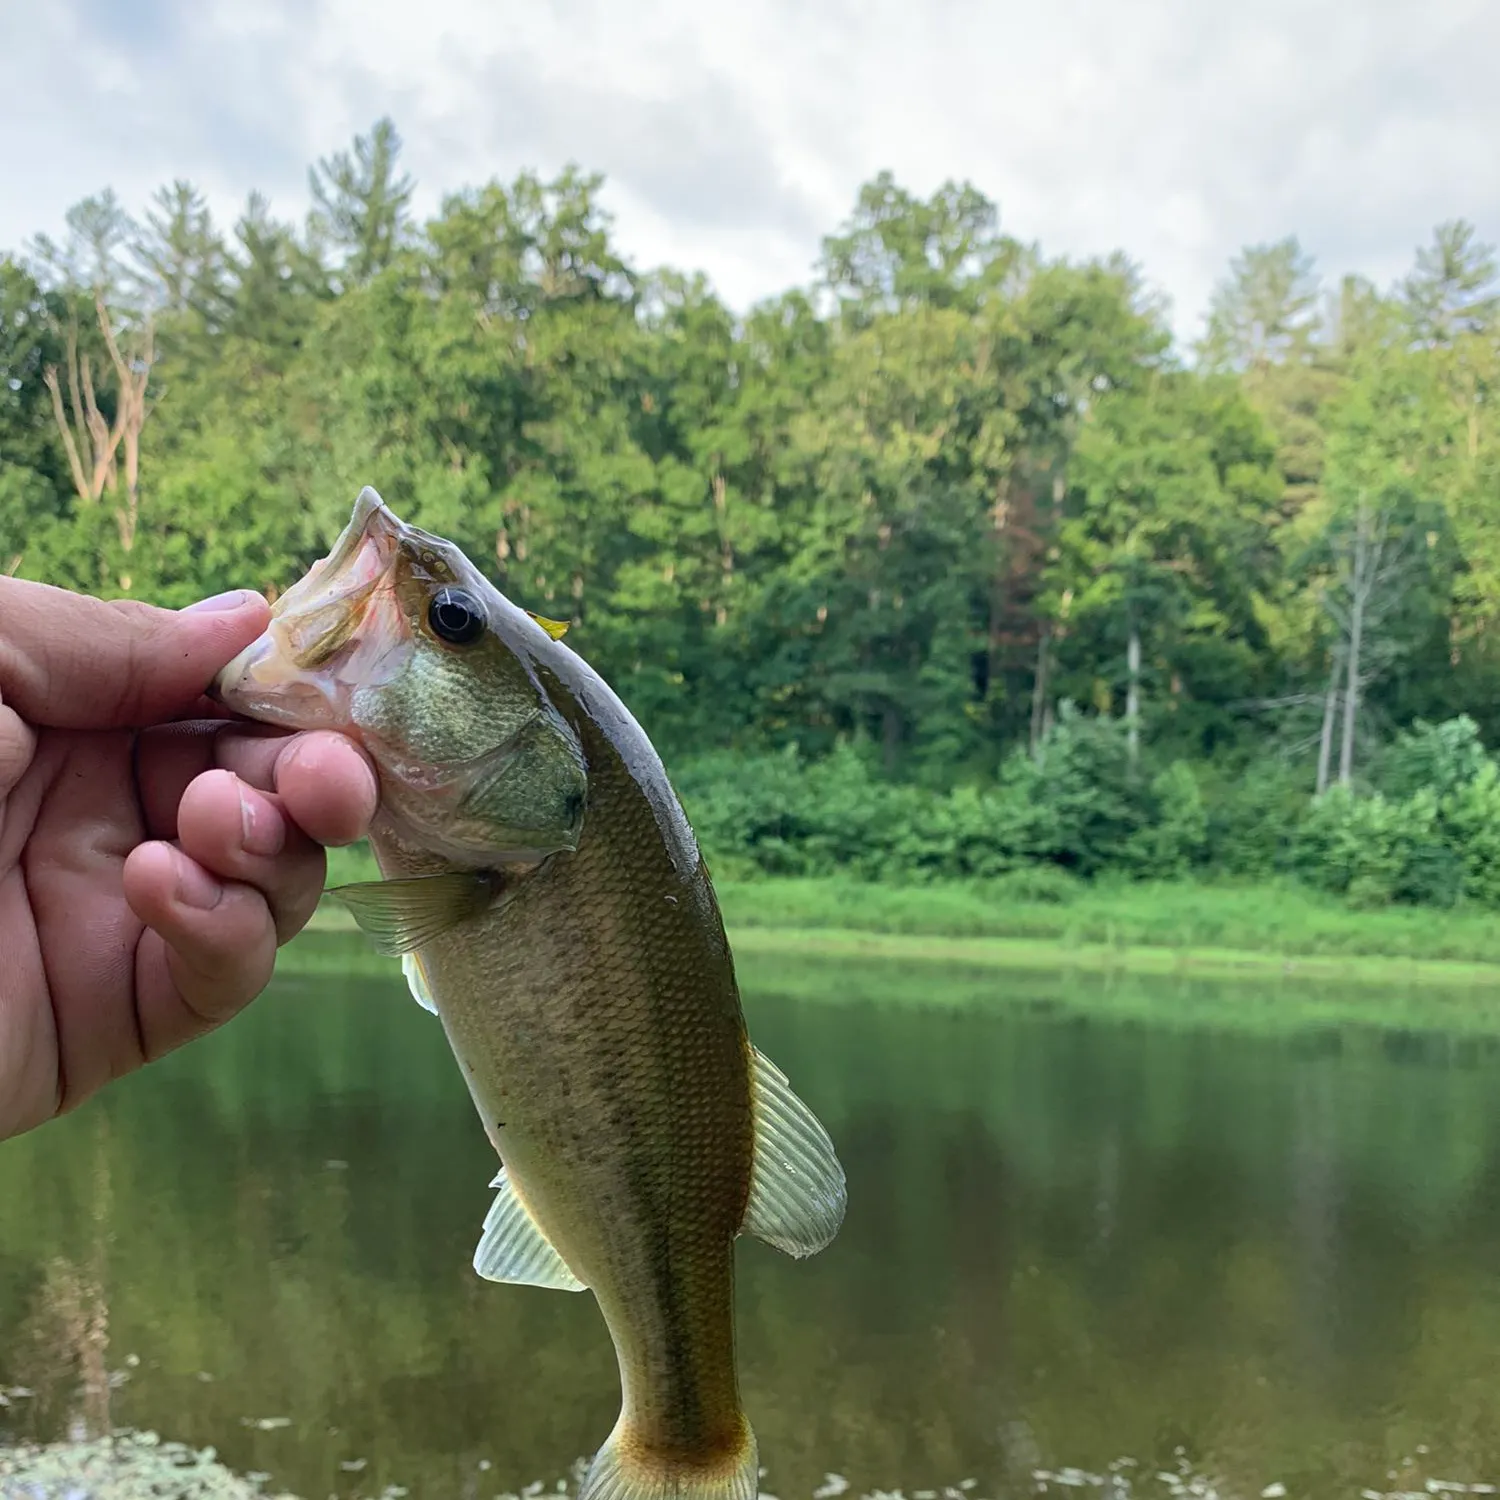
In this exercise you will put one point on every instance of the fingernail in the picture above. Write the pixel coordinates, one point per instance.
(196, 887)
(220, 604)
(262, 830)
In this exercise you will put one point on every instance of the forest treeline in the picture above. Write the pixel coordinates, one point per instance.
(957, 510)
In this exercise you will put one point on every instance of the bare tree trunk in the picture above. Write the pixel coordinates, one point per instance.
(93, 446)
(726, 546)
(1359, 595)
(132, 375)
(999, 519)
(890, 737)
(1330, 715)
(1042, 708)
(1133, 694)
(1351, 707)
(1039, 687)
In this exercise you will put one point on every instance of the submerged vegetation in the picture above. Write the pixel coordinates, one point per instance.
(141, 1466)
(945, 565)
(125, 1466)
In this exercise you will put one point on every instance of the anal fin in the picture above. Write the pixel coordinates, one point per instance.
(514, 1249)
(797, 1187)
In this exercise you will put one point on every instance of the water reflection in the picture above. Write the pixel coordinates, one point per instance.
(1069, 1241)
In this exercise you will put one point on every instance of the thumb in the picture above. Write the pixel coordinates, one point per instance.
(70, 661)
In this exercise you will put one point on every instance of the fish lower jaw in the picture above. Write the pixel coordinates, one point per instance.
(260, 686)
(287, 708)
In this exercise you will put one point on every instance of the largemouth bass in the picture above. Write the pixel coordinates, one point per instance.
(547, 896)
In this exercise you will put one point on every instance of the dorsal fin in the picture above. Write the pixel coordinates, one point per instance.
(514, 1249)
(557, 629)
(797, 1188)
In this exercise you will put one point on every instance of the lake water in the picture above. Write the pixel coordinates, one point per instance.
(1075, 1247)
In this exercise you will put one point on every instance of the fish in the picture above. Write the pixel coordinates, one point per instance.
(546, 894)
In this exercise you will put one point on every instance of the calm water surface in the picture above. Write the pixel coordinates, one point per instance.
(1071, 1242)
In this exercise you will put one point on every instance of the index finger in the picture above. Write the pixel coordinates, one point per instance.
(71, 661)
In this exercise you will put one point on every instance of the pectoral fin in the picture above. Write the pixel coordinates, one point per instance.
(797, 1189)
(514, 1249)
(400, 915)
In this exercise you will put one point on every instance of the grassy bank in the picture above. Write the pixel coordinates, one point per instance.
(1150, 928)
(1274, 922)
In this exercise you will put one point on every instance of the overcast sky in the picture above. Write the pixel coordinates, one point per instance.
(734, 136)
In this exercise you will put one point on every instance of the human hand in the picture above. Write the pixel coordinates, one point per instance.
(149, 867)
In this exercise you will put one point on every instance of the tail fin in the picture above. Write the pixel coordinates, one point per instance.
(626, 1468)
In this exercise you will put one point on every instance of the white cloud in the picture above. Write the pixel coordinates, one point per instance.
(734, 136)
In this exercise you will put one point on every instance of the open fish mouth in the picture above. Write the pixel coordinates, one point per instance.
(299, 671)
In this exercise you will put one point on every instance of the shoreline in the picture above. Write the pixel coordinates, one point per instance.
(1059, 954)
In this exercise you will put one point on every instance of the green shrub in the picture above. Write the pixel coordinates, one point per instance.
(1035, 885)
(1471, 824)
(1439, 758)
(1252, 816)
(1077, 805)
(1177, 836)
(1370, 848)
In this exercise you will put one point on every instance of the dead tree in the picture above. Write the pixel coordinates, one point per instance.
(1375, 560)
(1041, 702)
(1330, 718)
(104, 456)
(1133, 693)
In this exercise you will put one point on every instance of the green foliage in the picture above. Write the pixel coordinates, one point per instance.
(1076, 806)
(1470, 820)
(1374, 850)
(1177, 837)
(1078, 809)
(1442, 758)
(1251, 814)
(849, 557)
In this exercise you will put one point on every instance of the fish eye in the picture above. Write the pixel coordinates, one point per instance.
(455, 617)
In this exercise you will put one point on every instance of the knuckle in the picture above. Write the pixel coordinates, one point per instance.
(17, 746)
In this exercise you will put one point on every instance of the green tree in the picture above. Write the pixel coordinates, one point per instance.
(1164, 549)
(90, 258)
(276, 282)
(897, 252)
(33, 484)
(1265, 311)
(1454, 289)
(1381, 544)
(360, 202)
(181, 258)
